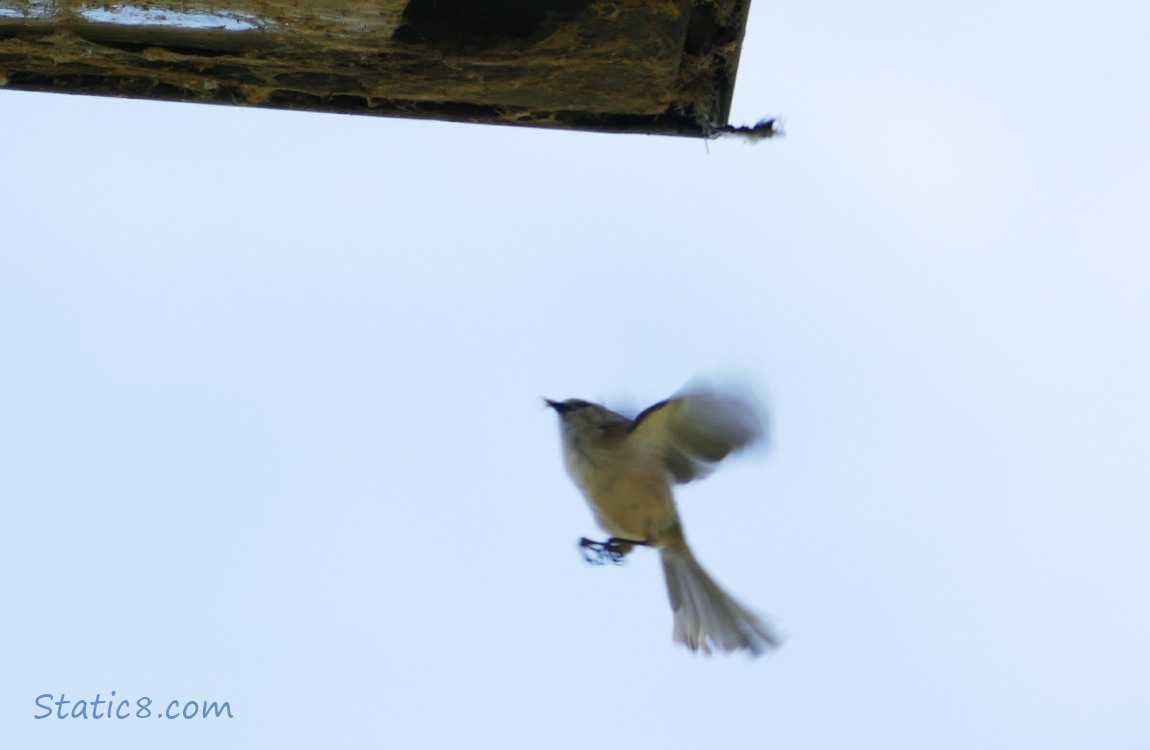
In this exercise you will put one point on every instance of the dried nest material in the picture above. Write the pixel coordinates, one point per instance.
(768, 127)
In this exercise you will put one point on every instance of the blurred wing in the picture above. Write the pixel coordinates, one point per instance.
(694, 431)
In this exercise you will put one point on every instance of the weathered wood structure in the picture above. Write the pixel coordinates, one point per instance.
(649, 66)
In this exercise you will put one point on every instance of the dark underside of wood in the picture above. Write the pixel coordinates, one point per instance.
(643, 66)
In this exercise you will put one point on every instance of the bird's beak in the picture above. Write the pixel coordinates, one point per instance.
(558, 406)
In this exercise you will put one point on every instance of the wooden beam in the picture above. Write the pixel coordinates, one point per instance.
(650, 66)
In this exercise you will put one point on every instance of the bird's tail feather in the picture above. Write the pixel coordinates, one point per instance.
(706, 617)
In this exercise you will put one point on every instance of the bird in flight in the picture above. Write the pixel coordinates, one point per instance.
(626, 469)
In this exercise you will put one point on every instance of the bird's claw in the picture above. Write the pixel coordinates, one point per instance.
(613, 550)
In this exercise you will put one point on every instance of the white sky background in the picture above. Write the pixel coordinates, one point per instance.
(270, 428)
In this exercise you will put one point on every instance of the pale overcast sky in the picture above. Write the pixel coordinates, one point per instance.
(271, 429)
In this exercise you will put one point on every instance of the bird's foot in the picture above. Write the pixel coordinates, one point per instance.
(613, 550)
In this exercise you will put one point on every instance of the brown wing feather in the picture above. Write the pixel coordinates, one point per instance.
(697, 429)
